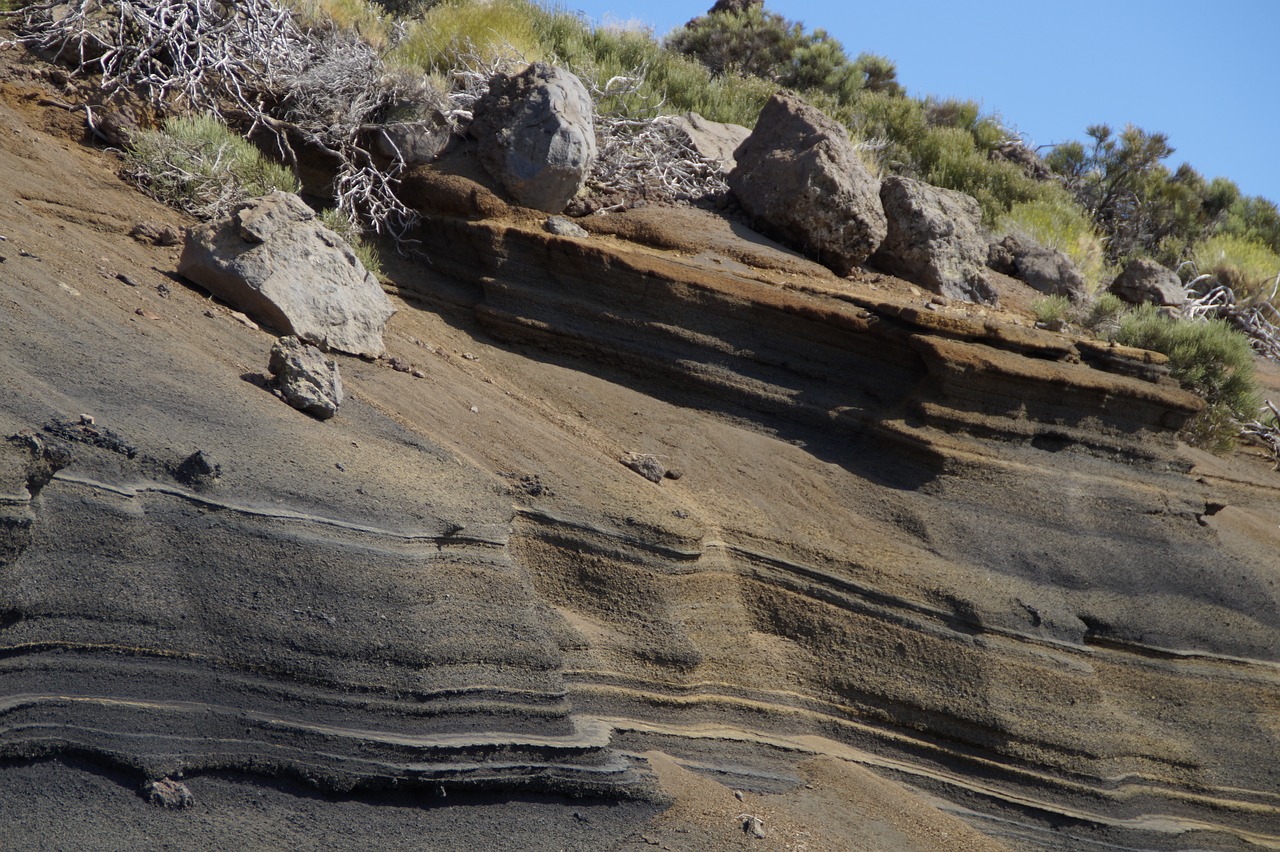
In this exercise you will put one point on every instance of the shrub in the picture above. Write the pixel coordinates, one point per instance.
(1057, 222)
(1247, 267)
(755, 42)
(1104, 315)
(1208, 358)
(1051, 310)
(199, 165)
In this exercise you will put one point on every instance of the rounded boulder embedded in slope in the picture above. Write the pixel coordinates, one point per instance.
(535, 135)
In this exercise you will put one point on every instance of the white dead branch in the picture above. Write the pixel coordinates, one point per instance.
(1265, 432)
(1255, 316)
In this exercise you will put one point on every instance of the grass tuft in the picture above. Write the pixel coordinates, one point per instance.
(199, 165)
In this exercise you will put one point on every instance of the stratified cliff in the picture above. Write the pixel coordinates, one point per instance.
(927, 541)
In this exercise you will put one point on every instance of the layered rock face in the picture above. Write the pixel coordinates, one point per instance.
(964, 554)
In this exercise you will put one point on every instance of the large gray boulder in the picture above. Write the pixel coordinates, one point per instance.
(273, 260)
(1144, 280)
(713, 140)
(802, 182)
(935, 239)
(305, 378)
(535, 135)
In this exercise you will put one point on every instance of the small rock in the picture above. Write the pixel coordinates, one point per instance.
(565, 227)
(754, 826)
(156, 234)
(146, 314)
(69, 289)
(418, 374)
(737, 794)
(399, 365)
(673, 473)
(305, 378)
(163, 290)
(167, 793)
(468, 356)
(244, 320)
(199, 468)
(120, 276)
(645, 464)
(475, 410)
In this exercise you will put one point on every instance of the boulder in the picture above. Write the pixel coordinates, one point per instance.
(272, 259)
(1049, 271)
(711, 139)
(1001, 255)
(416, 130)
(1145, 280)
(800, 179)
(934, 239)
(305, 378)
(1043, 269)
(535, 135)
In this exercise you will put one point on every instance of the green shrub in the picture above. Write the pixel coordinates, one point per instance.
(1057, 222)
(366, 250)
(197, 164)
(758, 43)
(1104, 315)
(1247, 267)
(1051, 310)
(672, 83)
(1208, 358)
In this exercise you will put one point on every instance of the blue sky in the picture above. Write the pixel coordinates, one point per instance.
(1206, 72)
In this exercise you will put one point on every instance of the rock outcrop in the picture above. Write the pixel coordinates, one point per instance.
(713, 140)
(935, 240)
(274, 260)
(534, 133)
(800, 179)
(1143, 280)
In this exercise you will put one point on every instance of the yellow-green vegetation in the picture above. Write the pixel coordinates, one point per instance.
(1247, 267)
(439, 41)
(1052, 309)
(1057, 222)
(198, 164)
(1208, 358)
(366, 250)
(366, 20)
(1103, 315)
